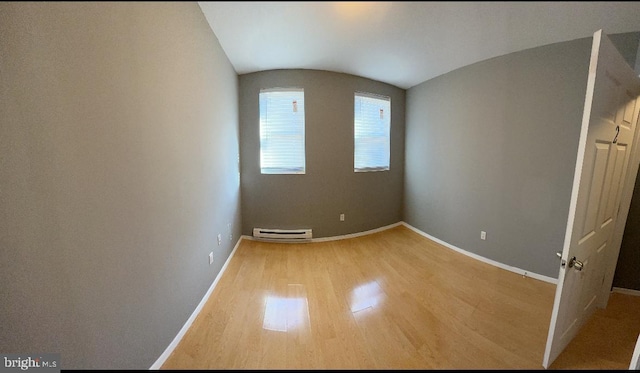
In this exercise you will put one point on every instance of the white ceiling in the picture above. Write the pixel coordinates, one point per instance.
(401, 43)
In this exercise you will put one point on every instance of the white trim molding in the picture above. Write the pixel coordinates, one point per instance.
(167, 352)
(494, 263)
(354, 235)
(626, 291)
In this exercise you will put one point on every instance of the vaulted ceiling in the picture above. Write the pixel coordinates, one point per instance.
(401, 43)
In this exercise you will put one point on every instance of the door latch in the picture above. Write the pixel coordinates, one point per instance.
(573, 262)
(562, 262)
(578, 265)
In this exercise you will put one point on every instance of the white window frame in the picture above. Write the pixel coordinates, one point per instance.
(386, 122)
(298, 110)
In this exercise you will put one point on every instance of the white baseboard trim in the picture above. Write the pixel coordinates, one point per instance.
(325, 239)
(167, 352)
(354, 235)
(626, 291)
(494, 263)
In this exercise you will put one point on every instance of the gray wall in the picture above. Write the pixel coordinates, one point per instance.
(637, 64)
(329, 187)
(627, 45)
(492, 147)
(118, 150)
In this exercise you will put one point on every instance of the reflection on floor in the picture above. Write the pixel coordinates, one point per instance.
(366, 296)
(286, 314)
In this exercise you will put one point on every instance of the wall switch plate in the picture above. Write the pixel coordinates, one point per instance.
(341, 217)
(219, 239)
(211, 258)
(483, 235)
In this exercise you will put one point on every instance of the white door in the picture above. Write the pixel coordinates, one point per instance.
(604, 150)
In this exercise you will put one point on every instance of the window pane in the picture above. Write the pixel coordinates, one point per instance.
(282, 131)
(372, 122)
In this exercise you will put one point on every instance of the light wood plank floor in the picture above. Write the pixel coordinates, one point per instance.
(390, 300)
(607, 340)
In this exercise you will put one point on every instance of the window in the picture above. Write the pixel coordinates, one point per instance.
(282, 131)
(372, 122)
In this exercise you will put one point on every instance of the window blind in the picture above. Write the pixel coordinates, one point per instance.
(372, 122)
(282, 137)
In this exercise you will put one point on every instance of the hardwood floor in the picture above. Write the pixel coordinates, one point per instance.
(390, 300)
(607, 340)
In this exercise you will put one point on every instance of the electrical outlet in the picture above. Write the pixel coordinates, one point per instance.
(219, 239)
(341, 217)
(211, 258)
(483, 235)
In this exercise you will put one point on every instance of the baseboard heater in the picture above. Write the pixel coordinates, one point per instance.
(282, 234)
